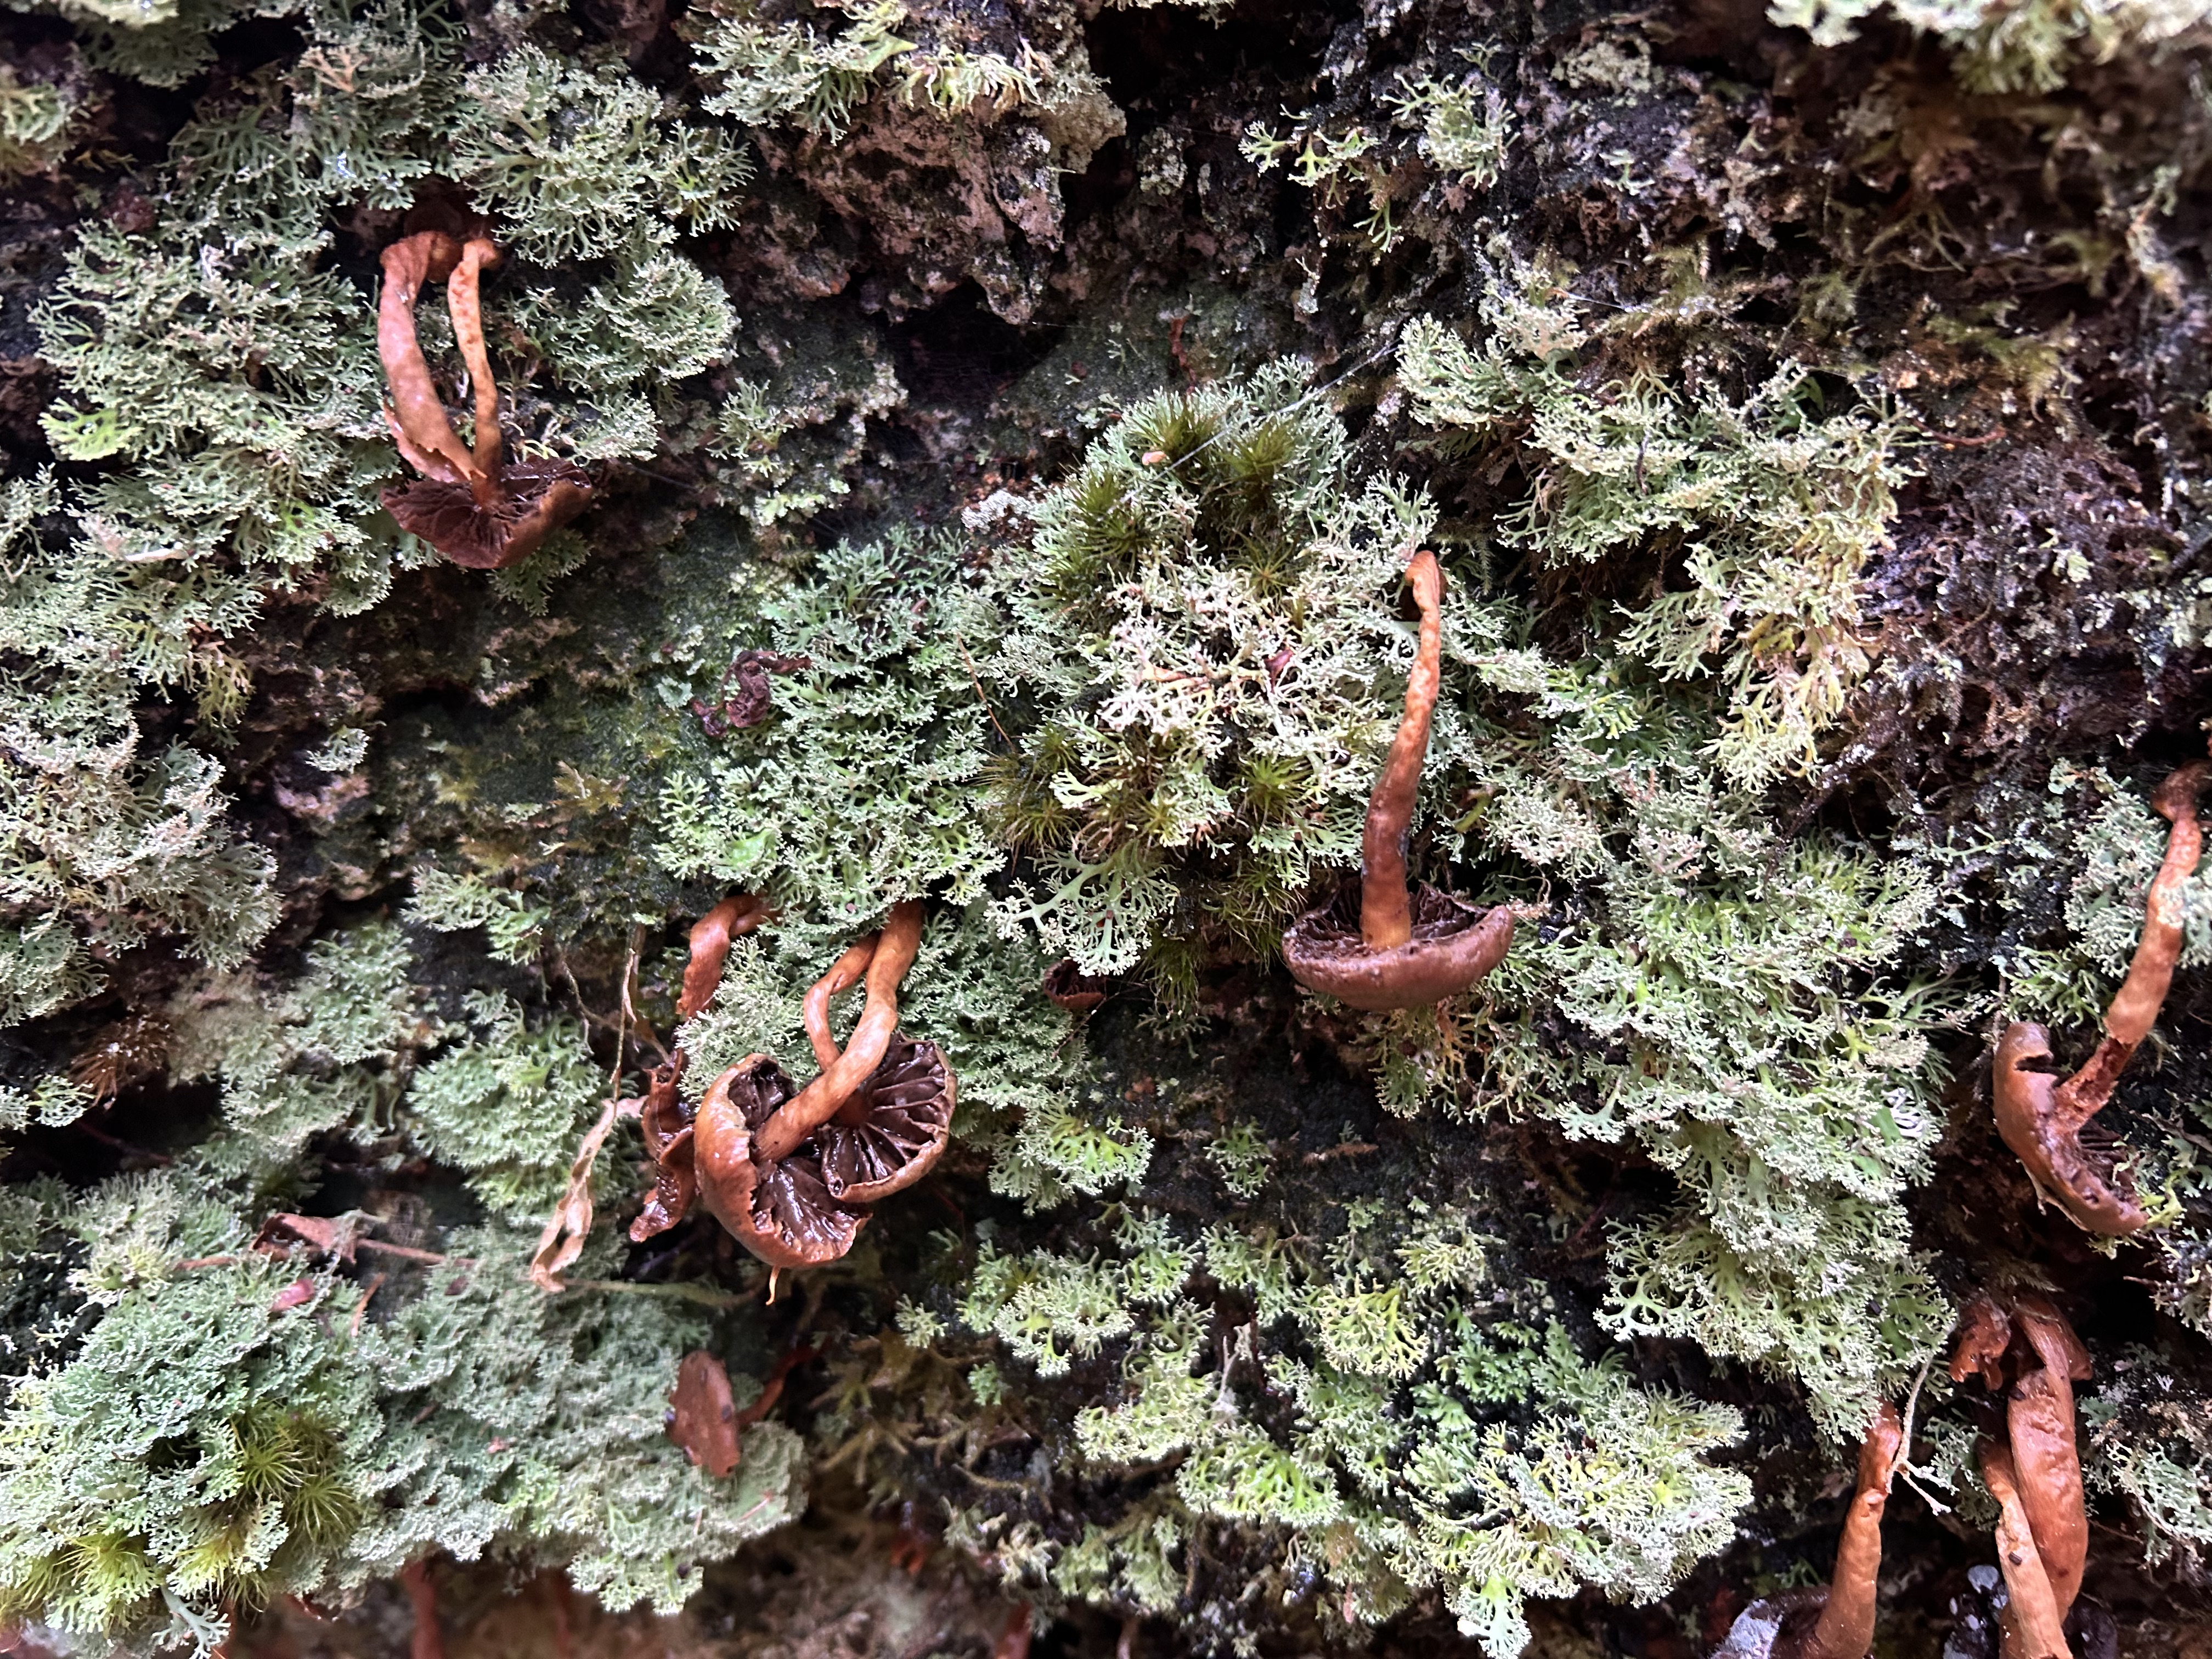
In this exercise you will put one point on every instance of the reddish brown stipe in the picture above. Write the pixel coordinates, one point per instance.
(1400, 948)
(2041, 1118)
(734, 917)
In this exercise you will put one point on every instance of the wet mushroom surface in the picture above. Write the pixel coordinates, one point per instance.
(1380, 943)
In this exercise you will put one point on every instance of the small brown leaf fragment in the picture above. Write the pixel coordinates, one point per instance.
(752, 702)
(323, 1235)
(734, 917)
(703, 1417)
(295, 1294)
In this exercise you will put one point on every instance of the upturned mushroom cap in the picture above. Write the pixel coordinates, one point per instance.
(890, 1133)
(781, 1209)
(1454, 944)
(528, 502)
(2034, 1123)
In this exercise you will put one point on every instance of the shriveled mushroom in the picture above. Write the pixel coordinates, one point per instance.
(779, 1208)
(1393, 947)
(666, 1123)
(2030, 1352)
(2039, 1422)
(2041, 1118)
(1837, 1621)
(476, 507)
(787, 1170)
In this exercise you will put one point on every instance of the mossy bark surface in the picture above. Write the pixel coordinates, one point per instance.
(1008, 426)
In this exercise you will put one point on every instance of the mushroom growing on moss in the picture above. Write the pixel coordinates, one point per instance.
(790, 1172)
(474, 507)
(1835, 1621)
(1398, 947)
(2041, 1118)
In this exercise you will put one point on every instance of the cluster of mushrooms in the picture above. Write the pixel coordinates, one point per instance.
(2020, 1346)
(2023, 1349)
(476, 505)
(792, 1172)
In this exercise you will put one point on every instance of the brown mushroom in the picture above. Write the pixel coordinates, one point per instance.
(734, 917)
(2039, 1423)
(894, 1128)
(1395, 946)
(2031, 1625)
(1835, 1621)
(475, 508)
(789, 1171)
(2041, 1118)
(666, 1123)
(779, 1208)
(2032, 1348)
(1984, 1335)
(703, 1417)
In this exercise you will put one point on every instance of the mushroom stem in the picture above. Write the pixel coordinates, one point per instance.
(734, 917)
(417, 414)
(2135, 1007)
(1845, 1627)
(2033, 1627)
(2039, 1423)
(844, 974)
(1386, 903)
(464, 306)
(819, 1100)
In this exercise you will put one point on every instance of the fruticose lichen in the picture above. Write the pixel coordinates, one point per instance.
(1006, 430)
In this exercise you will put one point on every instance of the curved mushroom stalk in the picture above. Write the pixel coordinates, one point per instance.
(2041, 1118)
(1403, 948)
(733, 918)
(1837, 1621)
(472, 505)
(823, 1098)
(778, 1207)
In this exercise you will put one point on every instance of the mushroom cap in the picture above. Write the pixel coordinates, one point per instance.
(2083, 1182)
(530, 501)
(778, 1208)
(1072, 988)
(904, 1117)
(1454, 944)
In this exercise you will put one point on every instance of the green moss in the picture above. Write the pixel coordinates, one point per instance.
(1199, 665)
